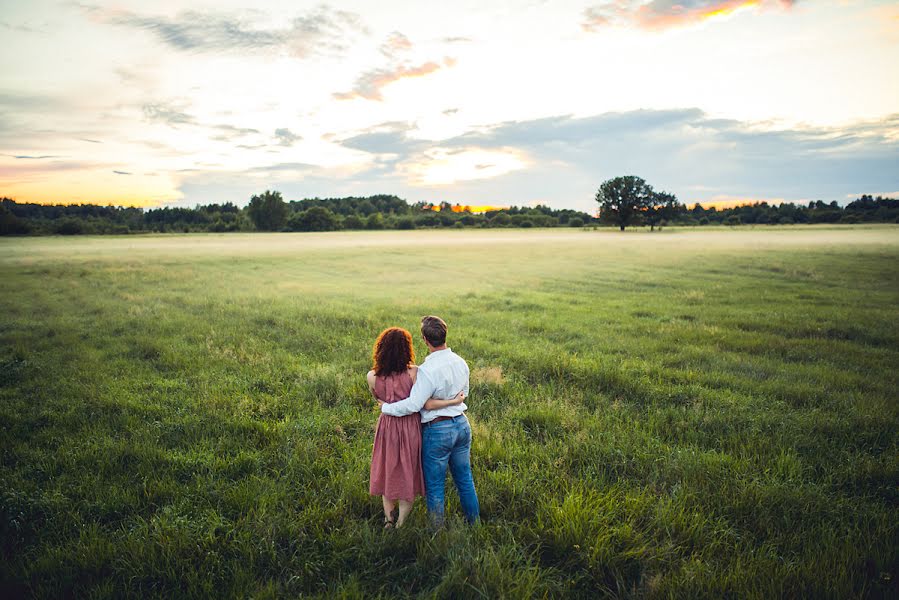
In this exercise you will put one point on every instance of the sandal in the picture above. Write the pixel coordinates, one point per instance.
(388, 523)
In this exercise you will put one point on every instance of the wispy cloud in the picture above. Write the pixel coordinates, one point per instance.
(370, 84)
(286, 137)
(395, 45)
(322, 31)
(229, 132)
(167, 113)
(174, 115)
(664, 14)
(27, 157)
(121, 172)
(292, 167)
(19, 27)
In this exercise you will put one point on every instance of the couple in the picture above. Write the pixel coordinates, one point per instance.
(412, 449)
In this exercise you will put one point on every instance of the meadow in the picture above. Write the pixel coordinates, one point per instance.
(685, 413)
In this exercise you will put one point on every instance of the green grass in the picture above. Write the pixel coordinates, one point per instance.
(683, 414)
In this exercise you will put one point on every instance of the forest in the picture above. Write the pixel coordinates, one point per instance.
(269, 212)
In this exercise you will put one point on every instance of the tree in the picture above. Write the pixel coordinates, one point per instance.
(268, 211)
(353, 222)
(662, 206)
(374, 221)
(317, 218)
(623, 199)
(500, 219)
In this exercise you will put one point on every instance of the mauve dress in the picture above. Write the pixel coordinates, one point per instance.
(396, 456)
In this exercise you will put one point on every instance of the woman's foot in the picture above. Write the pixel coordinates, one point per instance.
(389, 523)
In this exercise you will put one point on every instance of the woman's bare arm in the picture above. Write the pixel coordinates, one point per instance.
(370, 377)
(435, 404)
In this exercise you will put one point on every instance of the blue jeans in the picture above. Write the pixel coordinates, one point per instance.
(448, 442)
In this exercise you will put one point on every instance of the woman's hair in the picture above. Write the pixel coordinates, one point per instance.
(393, 352)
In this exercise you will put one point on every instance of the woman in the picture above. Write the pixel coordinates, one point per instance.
(396, 457)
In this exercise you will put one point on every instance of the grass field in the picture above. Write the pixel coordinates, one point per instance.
(690, 413)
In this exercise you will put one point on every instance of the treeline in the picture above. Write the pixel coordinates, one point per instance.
(866, 209)
(269, 212)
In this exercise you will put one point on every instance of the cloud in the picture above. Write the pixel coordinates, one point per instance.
(173, 114)
(230, 132)
(396, 44)
(28, 171)
(370, 84)
(168, 114)
(26, 157)
(89, 140)
(665, 14)
(322, 31)
(121, 172)
(563, 159)
(23, 27)
(286, 137)
(291, 167)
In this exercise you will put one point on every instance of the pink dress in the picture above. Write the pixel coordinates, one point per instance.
(396, 456)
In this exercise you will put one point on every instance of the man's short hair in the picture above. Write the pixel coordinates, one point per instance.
(434, 330)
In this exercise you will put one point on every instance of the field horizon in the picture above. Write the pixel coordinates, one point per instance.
(692, 412)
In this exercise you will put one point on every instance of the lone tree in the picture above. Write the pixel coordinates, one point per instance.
(268, 211)
(623, 199)
(628, 200)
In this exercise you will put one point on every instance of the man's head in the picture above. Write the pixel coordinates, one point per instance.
(433, 330)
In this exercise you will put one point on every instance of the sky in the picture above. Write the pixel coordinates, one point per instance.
(480, 103)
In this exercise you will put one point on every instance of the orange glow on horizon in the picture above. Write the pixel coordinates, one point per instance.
(458, 208)
(724, 202)
(141, 194)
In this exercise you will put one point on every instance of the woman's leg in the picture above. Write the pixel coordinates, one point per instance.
(389, 505)
(405, 509)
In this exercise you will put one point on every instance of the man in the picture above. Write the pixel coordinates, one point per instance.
(445, 433)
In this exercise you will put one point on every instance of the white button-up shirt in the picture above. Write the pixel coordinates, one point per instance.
(442, 375)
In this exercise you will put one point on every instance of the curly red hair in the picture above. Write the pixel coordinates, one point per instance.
(393, 352)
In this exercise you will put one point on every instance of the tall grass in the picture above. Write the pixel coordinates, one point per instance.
(678, 415)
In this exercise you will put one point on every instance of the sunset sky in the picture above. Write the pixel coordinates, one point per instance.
(481, 103)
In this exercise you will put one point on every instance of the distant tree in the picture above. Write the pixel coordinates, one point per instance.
(10, 224)
(405, 223)
(316, 218)
(429, 219)
(365, 207)
(374, 221)
(500, 219)
(575, 222)
(353, 222)
(69, 227)
(268, 211)
(622, 200)
(661, 206)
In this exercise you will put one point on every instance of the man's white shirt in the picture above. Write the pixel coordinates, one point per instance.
(442, 375)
